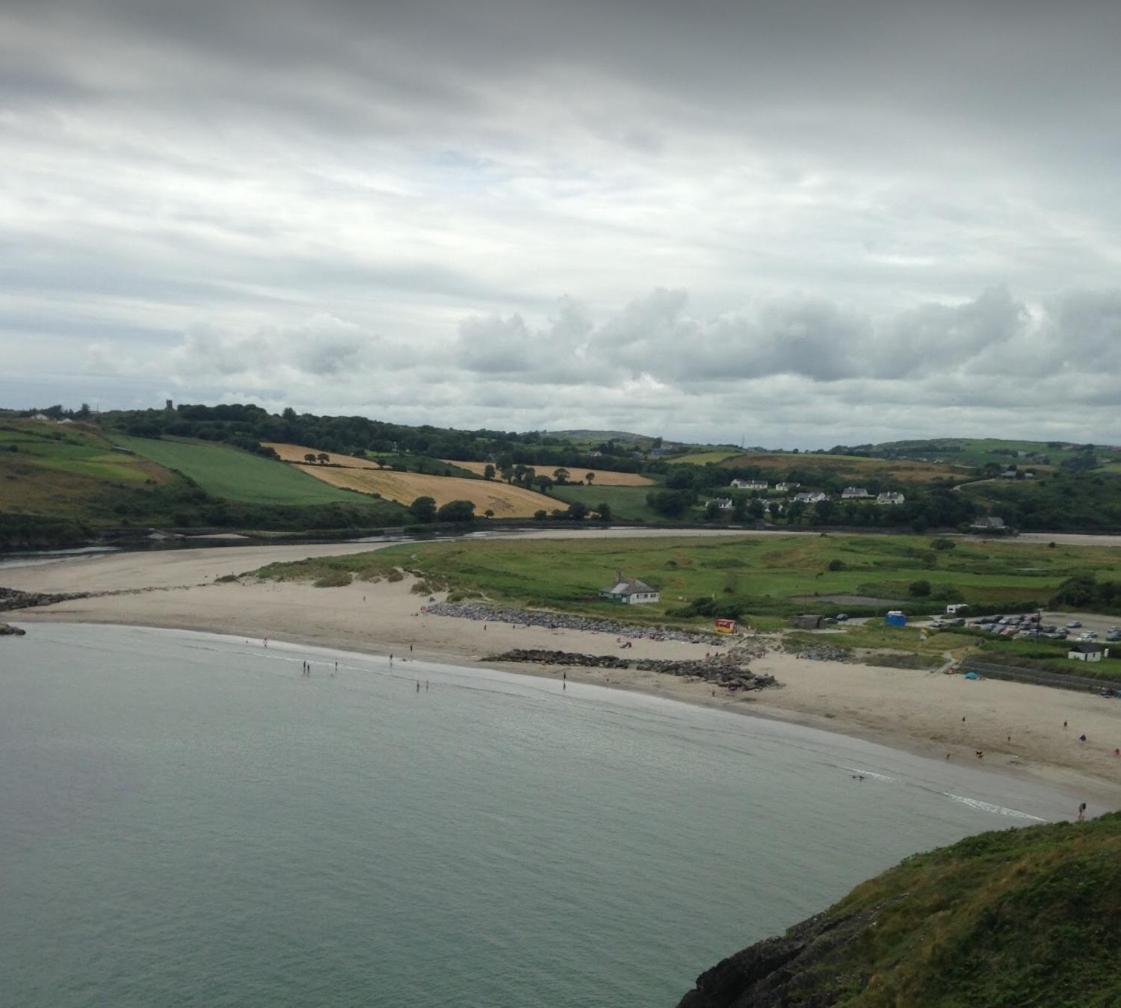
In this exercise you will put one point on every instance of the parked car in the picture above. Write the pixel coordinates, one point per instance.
(1073, 624)
(841, 617)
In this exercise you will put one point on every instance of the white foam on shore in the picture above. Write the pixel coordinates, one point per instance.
(985, 806)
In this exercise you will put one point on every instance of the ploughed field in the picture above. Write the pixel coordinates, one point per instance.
(352, 473)
(600, 477)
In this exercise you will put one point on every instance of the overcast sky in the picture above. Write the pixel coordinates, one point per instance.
(795, 223)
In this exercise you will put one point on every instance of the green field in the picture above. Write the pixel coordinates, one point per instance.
(71, 448)
(765, 575)
(628, 504)
(236, 475)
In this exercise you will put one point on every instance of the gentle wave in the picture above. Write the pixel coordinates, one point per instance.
(985, 806)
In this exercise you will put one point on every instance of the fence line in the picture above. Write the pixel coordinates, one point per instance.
(1037, 677)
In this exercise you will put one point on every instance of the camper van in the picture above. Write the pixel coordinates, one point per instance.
(953, 610)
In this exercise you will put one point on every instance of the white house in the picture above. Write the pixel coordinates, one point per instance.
(1088, 652)
(855, 493)
(786, 487)
(742, 484)
(990, 523)
(813, 497)
(890, 497)
(630, 591)
(724, 503)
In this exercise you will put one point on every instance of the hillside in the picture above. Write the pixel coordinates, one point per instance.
(71, 483)
(979, 452)
(600, 477)
(846, 467)
(352, 473)
(1001, 920)
(232, 474)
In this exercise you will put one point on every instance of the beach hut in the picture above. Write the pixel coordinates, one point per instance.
(895, 618)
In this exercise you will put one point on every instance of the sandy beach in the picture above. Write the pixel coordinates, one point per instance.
(1019, 728)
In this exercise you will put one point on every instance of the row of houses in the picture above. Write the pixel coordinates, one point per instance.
(813, 496)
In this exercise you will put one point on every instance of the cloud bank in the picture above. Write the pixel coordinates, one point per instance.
(793, 223)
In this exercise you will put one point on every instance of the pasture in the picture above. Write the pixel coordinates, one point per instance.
(235, 475)
(74, 449)
(352, 473)
(600, 477)
(627, 503)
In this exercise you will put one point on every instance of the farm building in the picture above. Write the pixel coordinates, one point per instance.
(855, 493)
(814, 497)
(630, 591)
(889, 497)
(751, 484)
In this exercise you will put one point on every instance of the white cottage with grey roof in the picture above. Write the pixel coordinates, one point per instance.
(630, 591)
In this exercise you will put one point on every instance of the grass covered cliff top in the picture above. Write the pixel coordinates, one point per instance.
(1012, 919)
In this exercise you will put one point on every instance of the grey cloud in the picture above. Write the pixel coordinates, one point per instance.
(386, 200)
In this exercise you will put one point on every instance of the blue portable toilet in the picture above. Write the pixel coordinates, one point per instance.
(895, 618)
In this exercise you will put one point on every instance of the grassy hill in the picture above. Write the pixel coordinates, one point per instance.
(363, 476)
(778, 465)
(978, 452)
(235, 475)
(600, 477)
(1024, 917)
(68, 483)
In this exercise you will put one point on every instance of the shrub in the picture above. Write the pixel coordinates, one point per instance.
(395, 575)
(919, 589)
(838, 565)
(333, 579)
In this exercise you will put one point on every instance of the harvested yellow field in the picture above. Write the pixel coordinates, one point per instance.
(352, 473)
(601, 477)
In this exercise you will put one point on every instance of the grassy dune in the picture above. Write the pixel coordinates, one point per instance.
(767, 575)
(601, 477)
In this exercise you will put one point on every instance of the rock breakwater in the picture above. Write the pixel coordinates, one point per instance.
(11, 598)
(567, 621)
(720, 670)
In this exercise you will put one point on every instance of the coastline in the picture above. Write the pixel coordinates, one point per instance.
(1018, 727)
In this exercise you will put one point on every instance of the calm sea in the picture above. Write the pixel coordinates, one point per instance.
(187, 820)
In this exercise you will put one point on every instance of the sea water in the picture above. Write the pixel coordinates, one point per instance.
(188, 819)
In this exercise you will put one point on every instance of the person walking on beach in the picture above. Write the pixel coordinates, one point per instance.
(418, 685)
(1082, 812)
